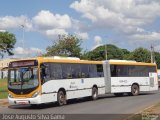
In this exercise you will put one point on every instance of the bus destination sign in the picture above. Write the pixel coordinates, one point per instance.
(23, 63)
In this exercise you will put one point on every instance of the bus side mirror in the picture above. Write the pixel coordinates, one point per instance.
(43, 71)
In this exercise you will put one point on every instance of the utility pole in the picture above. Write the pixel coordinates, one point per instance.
(106, 51)
(152, 54)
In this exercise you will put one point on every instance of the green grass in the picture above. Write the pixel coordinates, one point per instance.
(3, 88)
(4, 95)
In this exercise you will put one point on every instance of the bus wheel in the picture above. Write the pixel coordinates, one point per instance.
(118, 94)
(94, 93)
(61, 98)
(134, 90)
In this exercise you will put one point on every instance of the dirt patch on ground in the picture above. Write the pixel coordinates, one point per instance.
(4, 103)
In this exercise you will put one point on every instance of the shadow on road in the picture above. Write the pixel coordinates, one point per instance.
(72, 101)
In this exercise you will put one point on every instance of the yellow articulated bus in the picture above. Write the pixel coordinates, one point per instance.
(57, 79)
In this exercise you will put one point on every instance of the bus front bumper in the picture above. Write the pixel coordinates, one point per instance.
(24, 101)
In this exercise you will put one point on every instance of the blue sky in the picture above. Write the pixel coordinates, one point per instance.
(128, 24)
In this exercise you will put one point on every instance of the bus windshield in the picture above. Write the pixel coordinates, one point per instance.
(23, 78)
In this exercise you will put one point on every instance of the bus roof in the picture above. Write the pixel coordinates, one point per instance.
(129, 62)
(77, 60)
(62, 60)
(67, 60)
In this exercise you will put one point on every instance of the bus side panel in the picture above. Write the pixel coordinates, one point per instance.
(78, 93)
(84, 87)
(49, 97)
(123, 84)
(74, 88)
(83, 93)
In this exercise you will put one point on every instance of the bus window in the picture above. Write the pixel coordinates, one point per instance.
(66, 71)
(84, 70)
(122, 71)
(92, 71)
(56, 71)
(76, 70)
(131, 70)
(113, 70)
(100, 71)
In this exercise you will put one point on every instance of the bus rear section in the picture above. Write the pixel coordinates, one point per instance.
(130, 77)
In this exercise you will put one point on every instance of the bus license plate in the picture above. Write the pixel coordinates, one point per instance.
(22, 102)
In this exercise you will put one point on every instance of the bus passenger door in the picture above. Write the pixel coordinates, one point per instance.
(153, 81)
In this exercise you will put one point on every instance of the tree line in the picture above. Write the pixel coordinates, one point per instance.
(70, 46)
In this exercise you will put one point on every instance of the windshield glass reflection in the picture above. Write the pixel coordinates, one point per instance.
(23, 78)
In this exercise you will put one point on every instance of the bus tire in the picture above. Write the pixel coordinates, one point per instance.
(134, 90)
(61, 98)
(118, 94)
(94, 93)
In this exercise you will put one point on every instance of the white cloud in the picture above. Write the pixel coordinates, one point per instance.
(47, 20)
(97, 39)
(123, 16)
(10, 22)
(97, 42)
(53, 34)
(2, 30)
(83, 36)
(51, 25)
(27, 51)
(152, 36)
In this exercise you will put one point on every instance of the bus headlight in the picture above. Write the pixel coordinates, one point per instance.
(10, 95)
(35, 94)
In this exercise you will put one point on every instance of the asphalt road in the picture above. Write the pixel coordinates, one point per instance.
(107, 104)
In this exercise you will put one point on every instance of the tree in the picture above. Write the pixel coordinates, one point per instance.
(113, 52)
(157, 59)
(66, 45)
(140, 55)
(7, 42)
(126, 54)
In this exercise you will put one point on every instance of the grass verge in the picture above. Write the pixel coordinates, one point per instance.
(3, 88)
(151, 113)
